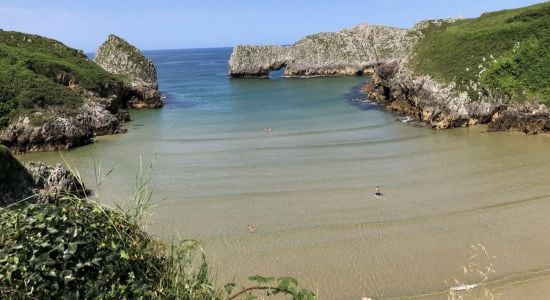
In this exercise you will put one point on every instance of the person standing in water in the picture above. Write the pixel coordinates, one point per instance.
(377, 191)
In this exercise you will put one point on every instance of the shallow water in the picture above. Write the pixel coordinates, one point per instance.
(308, 187)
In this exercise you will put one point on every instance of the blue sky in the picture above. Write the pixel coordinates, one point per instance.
(172, 24)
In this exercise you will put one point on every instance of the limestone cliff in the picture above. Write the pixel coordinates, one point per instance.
(118, 57)
(34, 182)
(398, 89)
(448, 73)
(348, 52)
(487, 70)
(65, 129)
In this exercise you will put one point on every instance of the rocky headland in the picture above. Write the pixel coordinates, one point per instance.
(34, 182)
(53, 97)
(395, 87)
(448, 73)
(349, 52)
(118, 57)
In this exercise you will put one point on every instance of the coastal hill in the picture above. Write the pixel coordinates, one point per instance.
(53, 97)
(448, 73)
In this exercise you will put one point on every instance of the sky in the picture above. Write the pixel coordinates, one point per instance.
(173, 24)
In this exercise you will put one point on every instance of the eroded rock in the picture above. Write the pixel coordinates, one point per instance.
(348, 52)
(394, 86)
(118, 57)
(66, 130)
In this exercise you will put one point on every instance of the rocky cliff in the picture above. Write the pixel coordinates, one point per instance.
(65, 129)
(34, 182)
(117, 56)
(448, 73)
(53, 97)
(348, 52)
(398, 89)
(492, 70)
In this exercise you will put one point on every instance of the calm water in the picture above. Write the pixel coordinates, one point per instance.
(308, 188)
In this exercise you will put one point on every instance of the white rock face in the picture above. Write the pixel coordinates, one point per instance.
(443, 106)
(118, 57)
(348, 52)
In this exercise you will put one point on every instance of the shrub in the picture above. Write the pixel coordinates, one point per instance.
(80, 249)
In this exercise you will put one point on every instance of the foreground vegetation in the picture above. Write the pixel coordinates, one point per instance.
(78, 249)
(81, 249)
(506, 51)
(36, 72)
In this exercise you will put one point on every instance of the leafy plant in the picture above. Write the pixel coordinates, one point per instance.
(80, 249)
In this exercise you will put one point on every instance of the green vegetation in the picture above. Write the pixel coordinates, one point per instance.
(35, 73)
(506, 51)
(80, 249)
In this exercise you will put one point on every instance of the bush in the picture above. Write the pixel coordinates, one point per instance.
(523, 71)
(77, 249)
(80, 249)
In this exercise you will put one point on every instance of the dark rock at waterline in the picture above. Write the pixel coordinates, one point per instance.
(524, 122)
(66, 130)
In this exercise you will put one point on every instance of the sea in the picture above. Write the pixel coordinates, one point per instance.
(299, 159)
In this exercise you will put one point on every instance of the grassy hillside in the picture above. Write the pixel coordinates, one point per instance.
(506, 51)
(35, 73)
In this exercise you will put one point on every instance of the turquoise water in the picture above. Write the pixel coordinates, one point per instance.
(308, 186)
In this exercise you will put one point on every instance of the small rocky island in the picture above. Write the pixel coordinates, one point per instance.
(118, 57)
(448, 73)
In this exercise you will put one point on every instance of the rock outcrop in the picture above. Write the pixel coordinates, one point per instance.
(394, 86)
(66, 130)
(52, 182)
(34, 182)
(348, 52)
(118, 57)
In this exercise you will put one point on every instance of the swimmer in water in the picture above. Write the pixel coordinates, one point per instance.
(377, 191)
(250, 228)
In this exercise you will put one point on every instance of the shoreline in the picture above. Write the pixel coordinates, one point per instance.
(397, 89)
